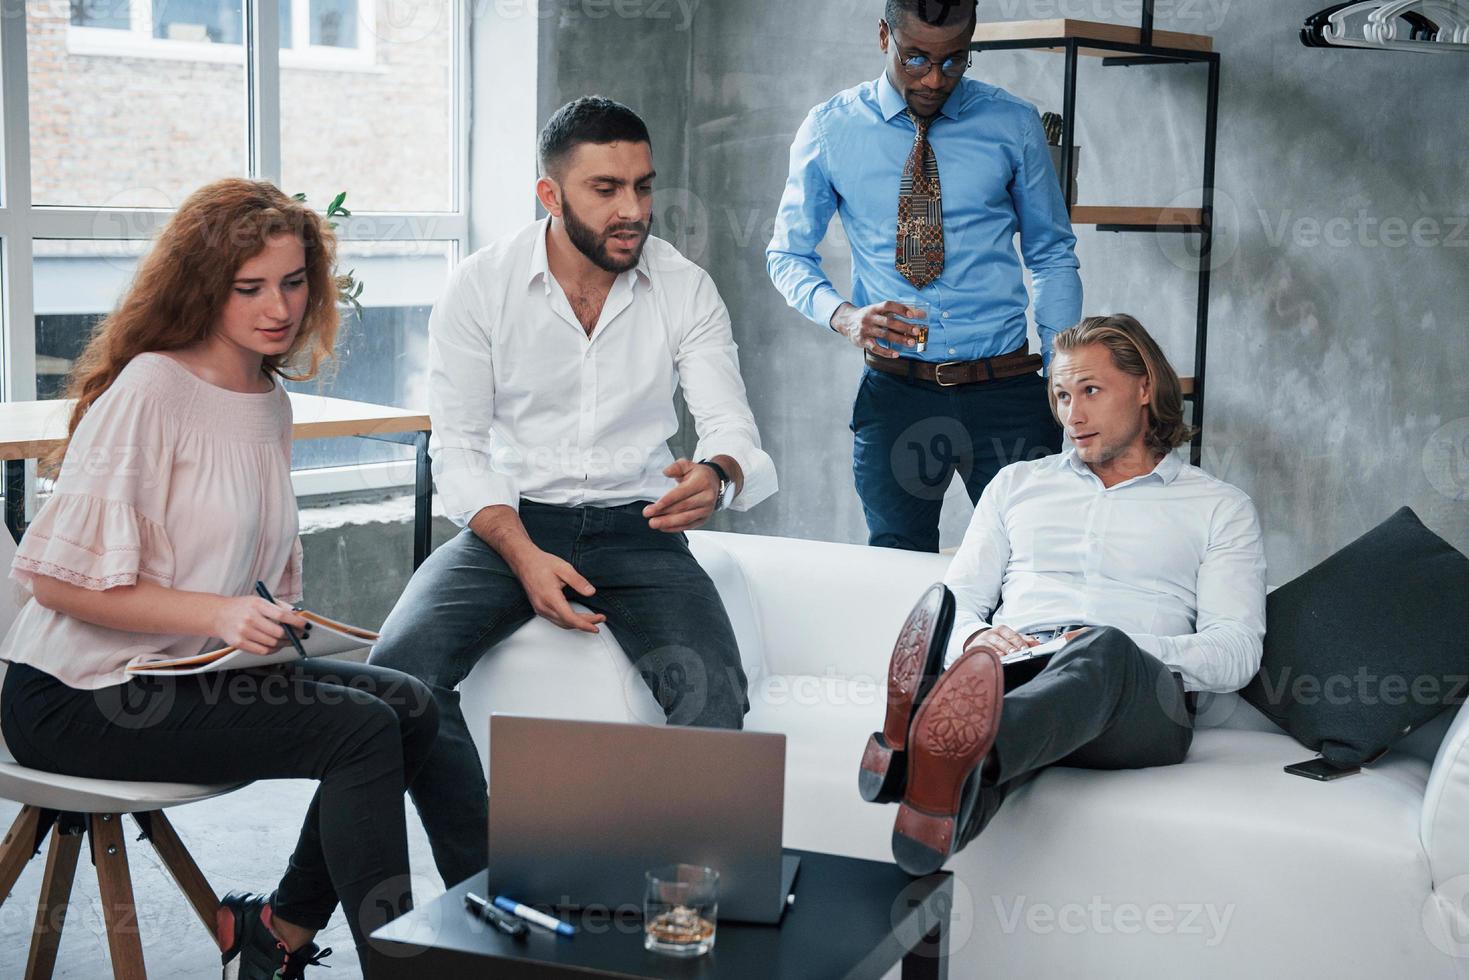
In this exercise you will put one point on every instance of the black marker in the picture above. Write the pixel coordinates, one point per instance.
(484, 910)
(264, 593)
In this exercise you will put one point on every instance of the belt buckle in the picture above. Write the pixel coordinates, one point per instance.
(938, 374)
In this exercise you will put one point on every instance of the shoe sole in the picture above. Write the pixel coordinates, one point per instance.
(952, 732)
(912, 671)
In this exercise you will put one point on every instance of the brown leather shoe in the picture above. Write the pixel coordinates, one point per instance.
(951, 735)
(917, 661)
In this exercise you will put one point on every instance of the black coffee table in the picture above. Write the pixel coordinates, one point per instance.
(852, 919)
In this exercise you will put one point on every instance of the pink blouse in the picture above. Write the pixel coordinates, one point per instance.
(172, 480)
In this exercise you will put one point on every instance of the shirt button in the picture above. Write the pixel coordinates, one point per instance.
(953, 350)
(946, 316)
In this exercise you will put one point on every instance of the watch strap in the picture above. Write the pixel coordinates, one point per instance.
(725, 483)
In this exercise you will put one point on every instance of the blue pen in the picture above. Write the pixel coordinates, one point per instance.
(535, 918)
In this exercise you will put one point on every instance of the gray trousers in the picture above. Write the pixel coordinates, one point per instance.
(660, 605)
(1101, 703)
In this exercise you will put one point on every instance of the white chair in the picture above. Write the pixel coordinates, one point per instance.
(66, 807)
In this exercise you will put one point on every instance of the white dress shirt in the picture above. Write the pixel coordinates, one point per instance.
(1173, 558)
(525, 405)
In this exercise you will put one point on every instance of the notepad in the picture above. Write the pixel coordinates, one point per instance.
(1030, 653)
(1021, 668)
(327, 637)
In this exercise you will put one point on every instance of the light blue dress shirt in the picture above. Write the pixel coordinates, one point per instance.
(997, 179)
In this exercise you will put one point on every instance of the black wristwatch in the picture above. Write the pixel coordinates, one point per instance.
(726, 485)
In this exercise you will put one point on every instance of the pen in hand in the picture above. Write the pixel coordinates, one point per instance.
(264, 593)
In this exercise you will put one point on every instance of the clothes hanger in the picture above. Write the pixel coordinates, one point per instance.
(1312, 33)
(1414, 25)
(1452, 22)
(1342, 31)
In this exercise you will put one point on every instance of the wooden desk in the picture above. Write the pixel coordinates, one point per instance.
(31, 430)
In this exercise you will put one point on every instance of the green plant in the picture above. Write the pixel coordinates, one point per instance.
(348, 288)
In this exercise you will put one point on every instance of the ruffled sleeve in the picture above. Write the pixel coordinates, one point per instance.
(103, 526)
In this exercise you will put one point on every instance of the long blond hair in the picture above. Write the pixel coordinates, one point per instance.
(1135, 352)
(183, 283)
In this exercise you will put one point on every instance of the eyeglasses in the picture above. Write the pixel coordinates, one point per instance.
(919, 65)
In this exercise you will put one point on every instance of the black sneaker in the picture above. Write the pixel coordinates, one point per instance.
(249, 948)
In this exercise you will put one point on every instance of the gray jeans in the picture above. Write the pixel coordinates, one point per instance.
(661, 607)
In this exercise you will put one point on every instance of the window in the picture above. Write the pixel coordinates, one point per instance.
(76, 283)
(120, 134)
(198, 20)
(100, 13)
(325, 34)
(404, 113)
(333, 23)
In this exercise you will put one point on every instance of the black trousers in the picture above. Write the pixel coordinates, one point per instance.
(362, 731)
(1101, 703)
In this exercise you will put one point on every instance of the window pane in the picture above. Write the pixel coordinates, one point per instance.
(334, 23)
(384, 136)
(119, 130)
(77, 284)
(198, 20)
(285, 22)
(383, 357)
(100, 13)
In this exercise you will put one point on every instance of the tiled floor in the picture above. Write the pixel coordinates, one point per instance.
(240, 841)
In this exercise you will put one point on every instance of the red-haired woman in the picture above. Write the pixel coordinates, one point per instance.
(173, 499)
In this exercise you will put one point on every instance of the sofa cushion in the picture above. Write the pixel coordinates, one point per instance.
(1367, 646)
(826, 609)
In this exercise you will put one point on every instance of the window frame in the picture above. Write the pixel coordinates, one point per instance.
(137, 41)
(22, 222)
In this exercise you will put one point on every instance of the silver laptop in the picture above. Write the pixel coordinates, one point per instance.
(580, 810)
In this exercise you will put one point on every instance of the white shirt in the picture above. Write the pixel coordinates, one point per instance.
(1173, 558)
(525, 405)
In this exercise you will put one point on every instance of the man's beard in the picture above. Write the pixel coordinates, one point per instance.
(588, 243)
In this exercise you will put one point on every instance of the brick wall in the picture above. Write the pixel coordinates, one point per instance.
(130, 131)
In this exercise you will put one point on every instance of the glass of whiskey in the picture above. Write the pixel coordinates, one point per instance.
(680, 910)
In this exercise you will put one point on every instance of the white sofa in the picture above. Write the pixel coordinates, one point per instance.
(1224, 866)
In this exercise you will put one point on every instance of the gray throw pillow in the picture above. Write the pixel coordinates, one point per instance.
(1369, 644)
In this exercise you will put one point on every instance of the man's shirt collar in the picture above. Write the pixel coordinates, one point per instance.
(892, 103)
(1165, 472)
(540, 265)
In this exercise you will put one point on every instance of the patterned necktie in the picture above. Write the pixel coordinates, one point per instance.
(920, 213)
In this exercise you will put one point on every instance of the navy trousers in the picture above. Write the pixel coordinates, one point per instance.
(911, 437)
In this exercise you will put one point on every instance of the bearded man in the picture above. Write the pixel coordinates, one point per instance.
(554, 356)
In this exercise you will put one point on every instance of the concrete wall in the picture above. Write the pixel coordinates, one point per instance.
(1338, 355)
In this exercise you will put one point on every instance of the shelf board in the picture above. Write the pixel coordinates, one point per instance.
(1024, 30)
(1188, 386)
(1161, 217)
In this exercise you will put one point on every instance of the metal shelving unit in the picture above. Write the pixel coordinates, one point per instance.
(1122, 46)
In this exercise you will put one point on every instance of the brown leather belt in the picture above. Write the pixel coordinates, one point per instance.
(952, 373)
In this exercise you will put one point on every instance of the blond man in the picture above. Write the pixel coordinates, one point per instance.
(1150, 572)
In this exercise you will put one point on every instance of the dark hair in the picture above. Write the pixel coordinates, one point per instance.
(592, 119)
(936, 13)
